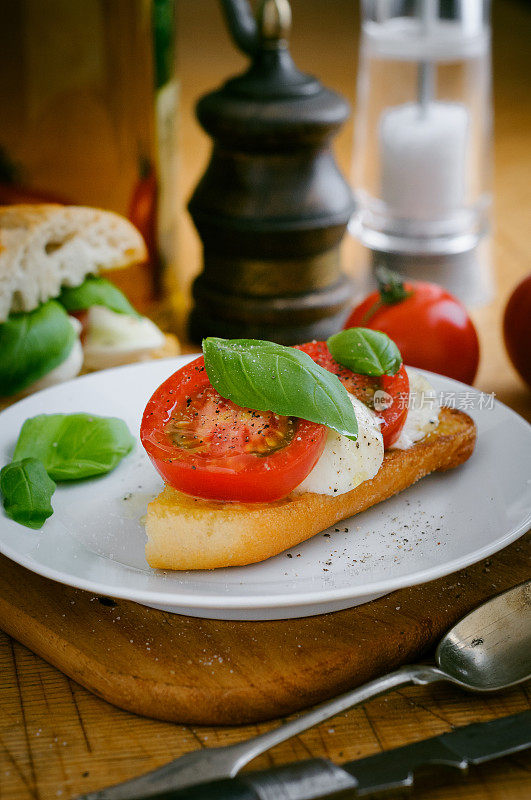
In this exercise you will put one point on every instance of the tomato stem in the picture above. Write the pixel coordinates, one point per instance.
(391, 287)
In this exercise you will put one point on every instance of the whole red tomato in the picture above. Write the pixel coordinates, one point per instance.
(517, 328)
(430, 327)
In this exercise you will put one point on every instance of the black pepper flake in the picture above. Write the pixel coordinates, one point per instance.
(107, 601)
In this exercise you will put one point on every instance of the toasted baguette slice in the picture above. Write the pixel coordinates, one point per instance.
(46, 246)
(188, 533)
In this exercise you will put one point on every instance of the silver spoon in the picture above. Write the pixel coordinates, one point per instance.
(486, 651)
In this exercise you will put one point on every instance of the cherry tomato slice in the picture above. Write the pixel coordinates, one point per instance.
(393, 390)
(206, 446)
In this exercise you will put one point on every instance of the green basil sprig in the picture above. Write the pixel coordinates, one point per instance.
(32, 344)
(74, 446)
(270, 377)
(64, 447)
(365, 351)
(27, 491)
(96, 291)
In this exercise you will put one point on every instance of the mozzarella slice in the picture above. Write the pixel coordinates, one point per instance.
(423, 411)
(69, 368)
(345, 464)
(112, 339)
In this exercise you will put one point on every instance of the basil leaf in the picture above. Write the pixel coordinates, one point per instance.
(365, 351)
(96, 291)
(73, 446)
(270, 377)
(32, 344)
(27, 490)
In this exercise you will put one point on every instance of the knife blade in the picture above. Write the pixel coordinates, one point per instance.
(317, 779)
(469, 745)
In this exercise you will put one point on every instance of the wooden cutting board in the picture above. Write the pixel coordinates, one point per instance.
(209, 672)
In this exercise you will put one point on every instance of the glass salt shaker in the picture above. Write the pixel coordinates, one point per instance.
(422, 150)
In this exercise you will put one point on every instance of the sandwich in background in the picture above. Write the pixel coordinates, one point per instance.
(57, 317)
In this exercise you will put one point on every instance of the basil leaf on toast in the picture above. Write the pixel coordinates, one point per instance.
(270, 377)
(365, 351)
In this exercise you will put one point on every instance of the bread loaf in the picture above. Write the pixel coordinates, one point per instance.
(44, 247)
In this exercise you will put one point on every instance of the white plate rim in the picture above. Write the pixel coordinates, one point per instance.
(321, 597)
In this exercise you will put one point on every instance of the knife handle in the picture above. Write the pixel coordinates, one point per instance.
(226, 789)
(392, 770)
(303, 780)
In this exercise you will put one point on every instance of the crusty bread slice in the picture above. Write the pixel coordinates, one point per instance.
(188, 533)
(46, 246)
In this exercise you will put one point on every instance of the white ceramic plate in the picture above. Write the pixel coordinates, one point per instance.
(95, 539)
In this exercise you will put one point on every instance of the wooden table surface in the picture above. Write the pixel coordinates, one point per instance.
(57, 739)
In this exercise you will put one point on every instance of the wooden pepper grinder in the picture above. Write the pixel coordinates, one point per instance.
(272, 206)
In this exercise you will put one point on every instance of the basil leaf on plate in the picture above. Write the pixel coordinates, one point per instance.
(365, 351)
(270, 377)
(32, 344)
(74, 446)
(27, 490)
(96, 291)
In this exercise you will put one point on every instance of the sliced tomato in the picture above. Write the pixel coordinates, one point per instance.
(206, 446)
(393, 390)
